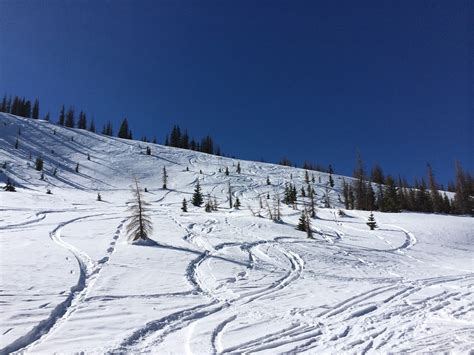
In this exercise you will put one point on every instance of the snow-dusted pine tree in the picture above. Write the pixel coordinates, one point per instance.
(371, 222)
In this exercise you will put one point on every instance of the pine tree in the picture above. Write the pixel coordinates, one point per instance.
(62, 117)
(371, 222)
(303, 192)
(345, 194)
(184, 206)
(327, 203)
(139, 223)
(208, 205)
(39, 164)
(436, 197)
(9, 186)
(165, 178)
(359, 185)
(46, 117)
(197, 196)
(302, 223)
(70, 121)
(3, 107)
(124, 131)
(306, 176)
(331, 180)
(237, 203)
(309, 231)
(92, 126)
(463, 200)
(239, 170)
(82, 122)
(390, 201)
(35, 111)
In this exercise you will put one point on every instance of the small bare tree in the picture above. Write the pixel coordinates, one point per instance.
(139, 223)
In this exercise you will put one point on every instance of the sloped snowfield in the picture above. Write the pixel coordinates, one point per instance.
(218, 282)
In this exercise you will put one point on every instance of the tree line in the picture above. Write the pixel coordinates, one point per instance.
(181, 139)
(387, 194)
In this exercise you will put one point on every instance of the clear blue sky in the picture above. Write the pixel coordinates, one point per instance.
(309, 80)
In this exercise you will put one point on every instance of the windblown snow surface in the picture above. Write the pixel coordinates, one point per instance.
(219, 282)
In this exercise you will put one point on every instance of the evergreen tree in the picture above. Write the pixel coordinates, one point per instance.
(303, 192)
(237, 203)
(82, 121)
(239, 170)
(62, 117)
(302, 223)
(3, 106)
(92, 126)
(39, 164)
(46, 117)
(306, 176)
(208, 206)
(139, 223)
(26, 108)
(124, 131)
(377, 175)
(184, 206)
(165, 178)
(446, 204)
(359, 186)
(345, 194)
(390, 202)
(331, 180)
(436, 197)
(463, 198)
(70, 122)
(35, 111)
(9, 186)
(197, 196)
(371, 222)
(107, 129)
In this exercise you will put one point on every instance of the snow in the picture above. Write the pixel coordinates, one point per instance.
(225, 281)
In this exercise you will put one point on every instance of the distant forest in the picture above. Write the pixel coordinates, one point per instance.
(373, 191)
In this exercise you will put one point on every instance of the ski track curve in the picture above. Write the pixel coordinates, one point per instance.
(88, 273)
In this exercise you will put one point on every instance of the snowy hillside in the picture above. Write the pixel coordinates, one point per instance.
(225, 281)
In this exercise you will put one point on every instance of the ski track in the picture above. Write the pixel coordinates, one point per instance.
(89, 271)
(154, 332)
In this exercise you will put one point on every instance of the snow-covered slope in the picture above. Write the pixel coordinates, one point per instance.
(225, 281)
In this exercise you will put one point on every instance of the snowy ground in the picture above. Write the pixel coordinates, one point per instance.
(225, 281)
